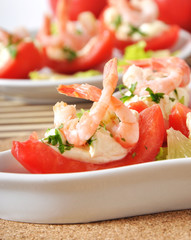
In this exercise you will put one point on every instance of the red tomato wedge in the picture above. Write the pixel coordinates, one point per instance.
(28, 59)
(98, 54)
(164, 41)
(78, 6)
(37, 157)
(139, 106)
(177, 118)
(175, 12)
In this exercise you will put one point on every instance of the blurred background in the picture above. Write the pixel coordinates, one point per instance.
(22, 13)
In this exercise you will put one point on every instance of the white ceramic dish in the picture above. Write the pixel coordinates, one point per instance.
(93, 196)
(43, 92)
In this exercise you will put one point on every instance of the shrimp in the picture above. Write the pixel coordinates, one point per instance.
(76, 131)
(161, 75)
(11, 38)
(136, 12)
(125, 131)
(74, 35)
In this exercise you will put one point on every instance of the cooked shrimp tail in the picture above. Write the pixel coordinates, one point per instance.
(125, 131)
(76, 131)
(160, 74)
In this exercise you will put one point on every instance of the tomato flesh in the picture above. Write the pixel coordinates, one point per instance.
(177, 118)
(78, 6)
(37, 157)
(175, 12)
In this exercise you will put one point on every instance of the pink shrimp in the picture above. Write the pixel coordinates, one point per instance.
(136, 12)
(9, 38)
(161, 75)
(125, 131)
(76, 131)
(68, 33)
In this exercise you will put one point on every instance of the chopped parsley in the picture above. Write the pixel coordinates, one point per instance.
(176, 93)
(156, 97)
(70, 54)
(12, 47)
(89, 141)
(181, 100)
(12, 50)
(131, 90)
(134, 154)
(171, 99)
(136, 30)
(117, 21)
(57, 140)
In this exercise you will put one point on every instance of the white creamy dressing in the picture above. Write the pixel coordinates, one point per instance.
(103, 148)
(4, 55)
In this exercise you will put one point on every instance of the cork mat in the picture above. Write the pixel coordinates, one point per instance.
(168, 225)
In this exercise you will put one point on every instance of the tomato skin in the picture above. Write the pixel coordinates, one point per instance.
(177, 118)
(99, 54)
(28, 58)
(78, 6)
(164, 41)
(175, 12)
(38, 157)
(139, 106)
(152, 132)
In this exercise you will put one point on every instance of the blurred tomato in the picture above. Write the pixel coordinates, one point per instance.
(175, 12)
(78, 6)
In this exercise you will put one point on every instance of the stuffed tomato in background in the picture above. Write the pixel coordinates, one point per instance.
(19, 55)
(132, 21)
(71, 46)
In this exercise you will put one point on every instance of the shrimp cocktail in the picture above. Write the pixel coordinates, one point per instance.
(114, 132)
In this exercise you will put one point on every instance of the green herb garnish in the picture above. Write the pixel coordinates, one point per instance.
(171, 99)
(56, 139)
(89, 141)
(134, 154)
(117, 21)
(156, 97)
(70, 54)
(12, 50)
(131, 90)
(136, 30)
(181, 100)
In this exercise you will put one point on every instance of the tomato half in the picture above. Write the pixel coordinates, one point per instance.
(38, 157)
(27, 59)
(177, 118)
(164, 41)
(175, 12)
(78, 6)
(98, 54)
